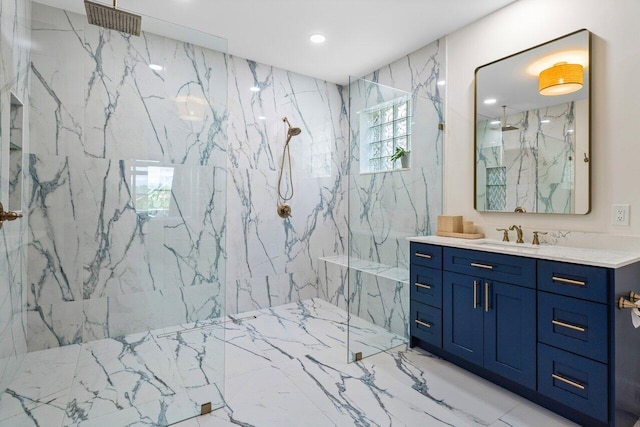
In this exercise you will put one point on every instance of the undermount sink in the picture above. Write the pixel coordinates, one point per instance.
(496, 244)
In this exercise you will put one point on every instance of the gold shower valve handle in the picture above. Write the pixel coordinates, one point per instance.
(284, 210)
(8, 215)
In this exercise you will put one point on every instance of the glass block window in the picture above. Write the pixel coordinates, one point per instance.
(384, 128)
(497, 188)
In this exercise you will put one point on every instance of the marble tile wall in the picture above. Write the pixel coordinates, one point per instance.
(127, 179)
(14, 79)
(274, 261)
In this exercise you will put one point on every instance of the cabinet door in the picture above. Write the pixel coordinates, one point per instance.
(510, 332)
(463, 317)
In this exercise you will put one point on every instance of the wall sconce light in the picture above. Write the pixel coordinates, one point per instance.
(560, 79)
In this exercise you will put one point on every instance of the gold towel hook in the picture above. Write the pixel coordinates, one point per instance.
(625, 303)
(8, 215)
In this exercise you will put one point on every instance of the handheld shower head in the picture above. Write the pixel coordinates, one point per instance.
(294, 131)
(291, 132)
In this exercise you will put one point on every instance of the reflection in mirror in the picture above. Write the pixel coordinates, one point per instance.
(532, 134)
(16, 128)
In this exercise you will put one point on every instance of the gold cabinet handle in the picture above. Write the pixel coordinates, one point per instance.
(421, 323)
(8, 215)
(420, 285)
(569, 281)
(568, 326)
(475, 294)
(485, 266)
(419, 255)
(566, 381)
(486, 297)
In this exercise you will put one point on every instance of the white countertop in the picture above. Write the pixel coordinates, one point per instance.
(595, 257)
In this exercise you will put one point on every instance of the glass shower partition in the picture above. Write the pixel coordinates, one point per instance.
(127, 214)
(389, 200)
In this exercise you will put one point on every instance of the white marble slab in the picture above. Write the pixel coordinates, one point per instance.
(594, 257)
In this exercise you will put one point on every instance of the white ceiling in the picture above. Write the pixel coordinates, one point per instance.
(362, 35)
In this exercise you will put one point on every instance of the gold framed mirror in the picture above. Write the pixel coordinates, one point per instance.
(532, 129)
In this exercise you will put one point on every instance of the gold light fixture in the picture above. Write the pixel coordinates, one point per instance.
(560, 79)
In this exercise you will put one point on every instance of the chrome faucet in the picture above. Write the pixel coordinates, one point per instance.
(518, 229)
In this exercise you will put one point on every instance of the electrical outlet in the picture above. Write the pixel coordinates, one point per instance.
(620, 214)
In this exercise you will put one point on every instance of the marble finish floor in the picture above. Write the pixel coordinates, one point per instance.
(284, 367)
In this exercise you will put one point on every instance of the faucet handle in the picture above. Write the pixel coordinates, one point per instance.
(536, 241)
(505, 235)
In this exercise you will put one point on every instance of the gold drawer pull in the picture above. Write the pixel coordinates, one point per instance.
(566, 381)
(421, 323)
(485, 266)
(486, 297)
(475, 294)
(420, 285)
(419, 255)
(569, 281)
(569, 326)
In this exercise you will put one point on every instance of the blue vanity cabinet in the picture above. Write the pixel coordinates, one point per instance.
(545, 329)
(489, 323)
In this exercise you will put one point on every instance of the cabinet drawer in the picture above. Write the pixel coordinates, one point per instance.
(426, 323)
(574, 325)
(577, 382)
(503, 268)
(426, 285)
(579, 281)
(426, 255)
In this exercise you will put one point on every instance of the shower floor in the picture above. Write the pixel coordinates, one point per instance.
(285, 367)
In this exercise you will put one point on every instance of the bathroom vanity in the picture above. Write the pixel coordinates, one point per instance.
(541, 321)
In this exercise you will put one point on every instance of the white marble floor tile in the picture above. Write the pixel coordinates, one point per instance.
(198, 354)
(268, 398)
(115, 374)
(43, 379)
(468, 396)
(162, 412)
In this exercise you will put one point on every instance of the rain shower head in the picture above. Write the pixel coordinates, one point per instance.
(111, 18)
(505, 127)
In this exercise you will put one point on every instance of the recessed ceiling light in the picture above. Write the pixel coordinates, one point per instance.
(490, 101)
(495, 122)
(254, 89)
(156, 67)
(441, 83)
(317, 38)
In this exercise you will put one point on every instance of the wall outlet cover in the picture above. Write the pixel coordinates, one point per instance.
(620, 214)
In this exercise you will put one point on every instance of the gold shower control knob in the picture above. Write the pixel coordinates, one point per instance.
(284, 210)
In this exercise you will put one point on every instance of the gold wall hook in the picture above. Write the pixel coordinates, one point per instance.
(633, 297)
(8, 215)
